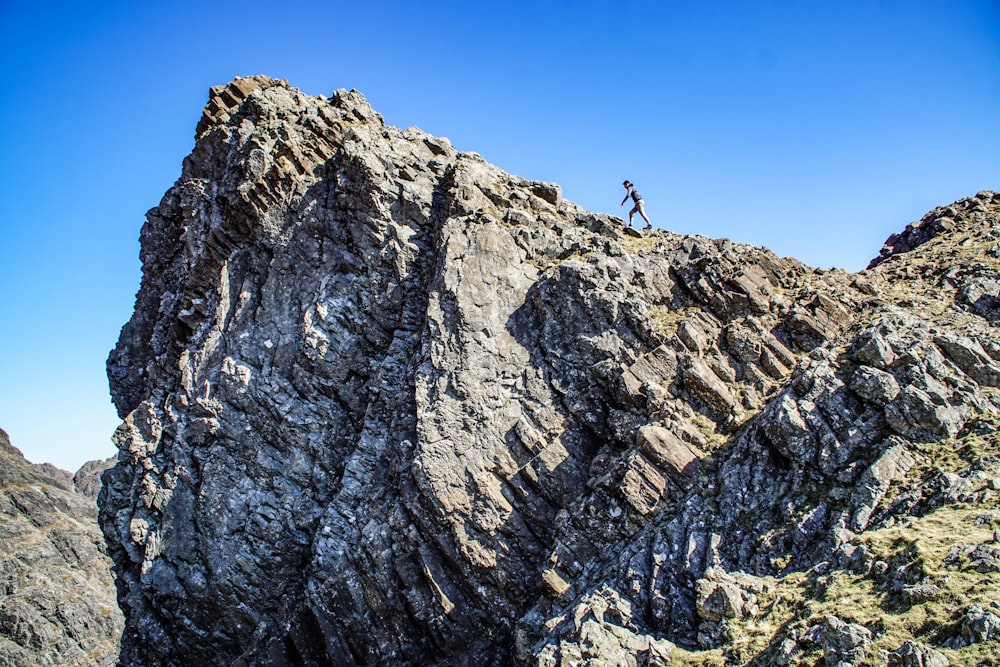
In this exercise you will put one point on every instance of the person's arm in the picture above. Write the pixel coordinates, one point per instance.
(627, 193)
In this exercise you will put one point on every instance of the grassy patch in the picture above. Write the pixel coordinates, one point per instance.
(710, 430)
(665, 320)
(635, 246)
(921, 551)
(914, 280)
(682, 658)
(980, 439)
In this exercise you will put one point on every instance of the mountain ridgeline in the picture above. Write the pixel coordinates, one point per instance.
(384, 403)
(57, 597)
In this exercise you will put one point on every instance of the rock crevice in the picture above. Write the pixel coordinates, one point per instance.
(385, 403)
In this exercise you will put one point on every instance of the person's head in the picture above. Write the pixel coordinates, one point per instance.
(626, 183)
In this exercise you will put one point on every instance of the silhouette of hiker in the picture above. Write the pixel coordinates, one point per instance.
(630, 191)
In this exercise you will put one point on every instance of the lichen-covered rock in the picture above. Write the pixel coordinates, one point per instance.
(600, 632)
(915, 654)
(979, 625)
(891, 466)
(843, 643)
(385, 403)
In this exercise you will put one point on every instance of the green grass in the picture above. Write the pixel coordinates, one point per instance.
(916, 550)
(801, 600)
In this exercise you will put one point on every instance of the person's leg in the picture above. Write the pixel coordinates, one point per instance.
(642, 211)
(631, 213)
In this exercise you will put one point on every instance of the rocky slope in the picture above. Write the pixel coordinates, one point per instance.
(384, 403)
(58, 600)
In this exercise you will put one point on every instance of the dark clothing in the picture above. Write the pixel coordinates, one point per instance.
(633, 193)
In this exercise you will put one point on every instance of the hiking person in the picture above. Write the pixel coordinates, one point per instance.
(630, 191)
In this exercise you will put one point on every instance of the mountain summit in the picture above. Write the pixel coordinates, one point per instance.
(384, 403)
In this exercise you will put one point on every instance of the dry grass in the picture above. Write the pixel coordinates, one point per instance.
(802, 600)
(682, 658)
(637, 246)
(981, 439)
(665, 320)
(929, 549)
(914, 279)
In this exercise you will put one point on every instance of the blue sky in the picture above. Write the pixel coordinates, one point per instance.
(813, 128)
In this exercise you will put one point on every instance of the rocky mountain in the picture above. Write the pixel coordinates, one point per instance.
(58, 602)
(384, 403)
(87, 480)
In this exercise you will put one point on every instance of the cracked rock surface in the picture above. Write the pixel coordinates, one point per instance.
(57, 596)
(384, 403)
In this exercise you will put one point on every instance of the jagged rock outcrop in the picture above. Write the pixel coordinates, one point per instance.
(57, 597)
(87, 480)
(384, 403)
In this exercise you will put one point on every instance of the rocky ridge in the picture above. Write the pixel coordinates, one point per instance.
(385, 403)
(58, 602)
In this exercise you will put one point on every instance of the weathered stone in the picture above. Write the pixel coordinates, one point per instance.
(921, 593)
(982, 296)
(874, 385)
(979, 625)
(876, 352)
(787, 430)
(984, 559)
(721, 595)
(87, 480)
(698, 333)
(642, 485)
(915, 654)
(58, 601)
(658, 367)
(703, 383)
(599, 632)
(675, 457)
(891, 466)
(915, 413)
(384, 403)
(970, 357)
(843, 642)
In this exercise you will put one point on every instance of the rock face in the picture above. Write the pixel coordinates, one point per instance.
(384, 403)
(87, 480)
(58, 601)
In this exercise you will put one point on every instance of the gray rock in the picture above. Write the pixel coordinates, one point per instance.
(939, 222)
(969, 356)
(721, 596)
(600, 632)
(704, 384)
(891, 466)
(916, 412)
(915, 654)
(385, 403)
(979, 626)
(982, 296)
(843, 642)
(875, 385)
(679, 459)
(984, 559)
(921, 593)
(876, 352)
(58, 605)
(87, 480)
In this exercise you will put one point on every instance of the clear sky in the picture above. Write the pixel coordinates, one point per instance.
(813, 128)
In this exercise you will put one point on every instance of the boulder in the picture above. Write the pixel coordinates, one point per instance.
(915, 654)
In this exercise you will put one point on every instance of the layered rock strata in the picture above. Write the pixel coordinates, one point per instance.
(57, 597)
(384, 403)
